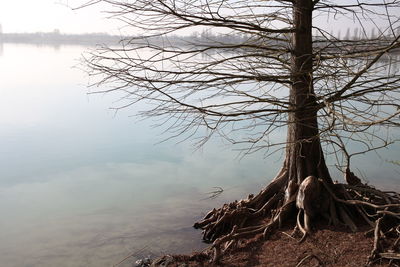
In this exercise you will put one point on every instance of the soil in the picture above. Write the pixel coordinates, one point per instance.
(326, 247)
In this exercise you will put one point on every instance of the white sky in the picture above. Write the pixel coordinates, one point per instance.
(47, 15)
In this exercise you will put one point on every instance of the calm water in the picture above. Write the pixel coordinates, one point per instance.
(83, 186)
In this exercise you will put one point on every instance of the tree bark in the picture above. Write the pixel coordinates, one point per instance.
(304, 156)
(296, 185)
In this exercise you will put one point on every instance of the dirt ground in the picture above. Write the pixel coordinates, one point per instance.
(326, 247)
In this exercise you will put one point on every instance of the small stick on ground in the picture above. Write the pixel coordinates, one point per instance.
(303, 260)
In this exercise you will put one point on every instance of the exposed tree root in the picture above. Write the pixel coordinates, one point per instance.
(304, 260)
(300, 227)
(314, 199)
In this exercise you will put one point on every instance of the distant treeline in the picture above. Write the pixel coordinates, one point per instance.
(55, 38)
(205, 38)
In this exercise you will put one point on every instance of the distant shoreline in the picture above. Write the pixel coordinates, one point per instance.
(55, 38)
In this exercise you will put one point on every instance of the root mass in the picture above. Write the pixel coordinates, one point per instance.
(283, 201)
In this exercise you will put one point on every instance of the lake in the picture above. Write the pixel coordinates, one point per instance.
(81, 185)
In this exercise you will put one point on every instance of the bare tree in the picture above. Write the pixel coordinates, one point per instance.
(257, 69)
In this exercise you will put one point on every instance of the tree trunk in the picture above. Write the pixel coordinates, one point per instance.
(296, 185)
(304, 156)
(296, 189)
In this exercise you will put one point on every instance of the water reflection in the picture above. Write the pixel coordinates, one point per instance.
(93, 216)
(80, 186)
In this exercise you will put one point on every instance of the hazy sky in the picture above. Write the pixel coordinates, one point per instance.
(47, 15)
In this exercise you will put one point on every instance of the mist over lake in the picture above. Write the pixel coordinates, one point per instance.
(83, 185)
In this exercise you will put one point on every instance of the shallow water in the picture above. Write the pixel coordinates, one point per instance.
(83, 186)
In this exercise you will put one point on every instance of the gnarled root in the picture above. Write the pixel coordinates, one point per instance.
(312, 199)
(300, 227)
(307, 203)
(220, 222)
(377, 208)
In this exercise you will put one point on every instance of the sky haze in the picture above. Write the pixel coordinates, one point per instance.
(47, 15)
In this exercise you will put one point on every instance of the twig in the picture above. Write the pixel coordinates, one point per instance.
(390, 255)
(214, 194)
(288, 235)
(131, 255)
(320, 262)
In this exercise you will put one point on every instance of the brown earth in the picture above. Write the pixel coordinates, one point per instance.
(326, 247)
